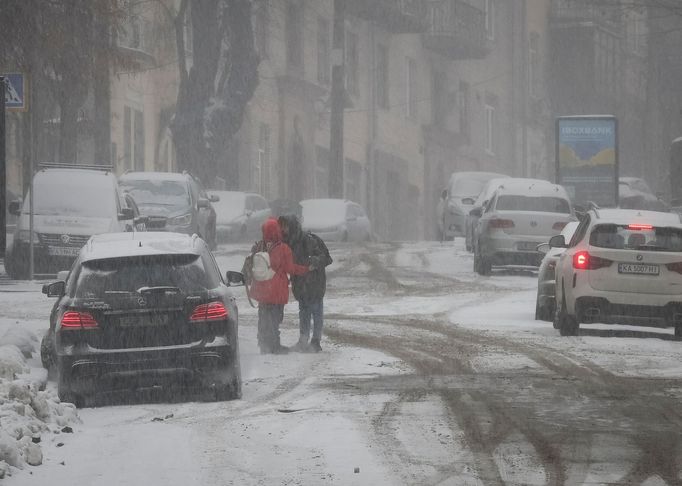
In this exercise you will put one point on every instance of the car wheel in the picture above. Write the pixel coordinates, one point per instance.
(568, 325)
(46, 356)
(485, 266)
(543, 313)
(678, 331)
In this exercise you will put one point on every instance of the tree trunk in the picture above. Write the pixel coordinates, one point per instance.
(102, 90)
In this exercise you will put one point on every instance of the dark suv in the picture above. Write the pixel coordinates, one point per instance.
(140, 311)
(179, 197)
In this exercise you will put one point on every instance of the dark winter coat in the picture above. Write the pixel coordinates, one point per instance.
(308, 247)
(276, 290)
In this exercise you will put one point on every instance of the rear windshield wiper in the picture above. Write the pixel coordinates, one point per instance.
(651, 248)
(162, 289)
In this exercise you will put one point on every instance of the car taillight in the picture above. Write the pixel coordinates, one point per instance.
(558, 226)
(675, 267)
(584, 261)
(78, 320)
(501, 223)
(213, 311)
(640, 227)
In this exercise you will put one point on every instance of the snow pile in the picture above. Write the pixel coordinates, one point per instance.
(27, 410)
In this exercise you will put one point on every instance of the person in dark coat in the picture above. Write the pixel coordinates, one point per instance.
(273, 294)
(309, 289)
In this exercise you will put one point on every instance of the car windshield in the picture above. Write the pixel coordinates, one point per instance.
(72, 197)
(637, 237)
(158, 192)
(107, 277)
(546, 204)
(469, 186)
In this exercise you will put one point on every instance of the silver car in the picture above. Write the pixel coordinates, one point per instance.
(522, 214)
(457, 200)
(477, 209)
(544, 303)
(239, 215)
(336, 220)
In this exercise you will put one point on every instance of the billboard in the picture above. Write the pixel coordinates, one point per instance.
(587, 158)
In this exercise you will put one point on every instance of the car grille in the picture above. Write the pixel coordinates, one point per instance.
(56, 240)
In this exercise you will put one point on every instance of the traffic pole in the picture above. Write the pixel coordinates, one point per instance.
(3, 171)
(338, 101)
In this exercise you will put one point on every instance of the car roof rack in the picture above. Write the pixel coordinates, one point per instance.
(56, 165)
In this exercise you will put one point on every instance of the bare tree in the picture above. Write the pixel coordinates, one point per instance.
(215, 90)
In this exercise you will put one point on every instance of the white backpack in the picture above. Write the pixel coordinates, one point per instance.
(261, 266)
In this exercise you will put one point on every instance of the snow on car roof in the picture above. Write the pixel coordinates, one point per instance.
(121, 245)
(476, 175)
(154, 176)
(57, 176)
(536, 187)
(630, 216)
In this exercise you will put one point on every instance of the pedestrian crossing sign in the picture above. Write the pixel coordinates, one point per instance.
(16, 92)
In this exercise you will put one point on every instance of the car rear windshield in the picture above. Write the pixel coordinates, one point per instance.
(545, 204)
(167, 193)
(102, 278)
(636, 237)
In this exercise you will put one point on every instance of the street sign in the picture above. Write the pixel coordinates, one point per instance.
(16, 94)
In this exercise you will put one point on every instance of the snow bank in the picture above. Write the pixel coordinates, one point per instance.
(27, 410)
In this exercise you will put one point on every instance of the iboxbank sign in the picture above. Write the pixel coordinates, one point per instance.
(587, 159)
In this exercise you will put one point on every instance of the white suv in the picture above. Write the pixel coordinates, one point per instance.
(621, 266)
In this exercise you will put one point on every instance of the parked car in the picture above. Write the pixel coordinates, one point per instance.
(239, 215)
(71, 204)
(457, 200)
(522, 214)
(144, 311)
(544, 302)
(178, 197)
(635, 193)
(336, 220)
(622, 266)
(477, 208)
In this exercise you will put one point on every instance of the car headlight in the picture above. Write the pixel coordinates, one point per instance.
(25, 235)
(183, 220)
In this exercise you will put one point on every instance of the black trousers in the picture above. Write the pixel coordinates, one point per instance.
(270, 316)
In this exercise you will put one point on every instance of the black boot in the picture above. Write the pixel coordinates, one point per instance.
(315, 345)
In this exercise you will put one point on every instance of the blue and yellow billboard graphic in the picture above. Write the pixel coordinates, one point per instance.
(587, 159)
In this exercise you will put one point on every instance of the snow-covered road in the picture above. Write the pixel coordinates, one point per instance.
(430, 374)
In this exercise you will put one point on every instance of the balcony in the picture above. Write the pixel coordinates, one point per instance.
(133, 44)
(397, 16)
(578, 13)
(456, 30)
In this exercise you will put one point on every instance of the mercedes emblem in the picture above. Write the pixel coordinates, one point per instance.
(640, 258)
(142, 302)
(65, 239)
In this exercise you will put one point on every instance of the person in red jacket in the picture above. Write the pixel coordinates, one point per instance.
(273, 294)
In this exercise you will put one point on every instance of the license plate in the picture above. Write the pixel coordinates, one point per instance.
(143, 320)
(638, 268)
(70, 251)
(527, 245)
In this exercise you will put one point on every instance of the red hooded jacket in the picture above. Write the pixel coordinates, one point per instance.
(276, 290)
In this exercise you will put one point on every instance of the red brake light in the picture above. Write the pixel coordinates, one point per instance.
(78, 320)
(558, 226)
(640, 227)
(501, 223)
(584, 261)
(213, 311)
(675, 267)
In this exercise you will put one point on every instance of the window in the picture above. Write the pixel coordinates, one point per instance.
(490, 129)
(133, 139)
(260, 27)
(463, 106)
(411, 88)
(439, 99)
(352, 63)
(294, 36)
(323, 51)
(382, 77)
(262, 166)
(490, 18)
(534, 74)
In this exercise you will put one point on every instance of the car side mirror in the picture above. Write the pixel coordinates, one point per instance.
(14, 208)
(468, 201)
(203, 203)
(557, 241)
(476, 212)
(234, 279)
(126, 213)
(62, 275)
(213, 198)
(55, 289)
(444, 194)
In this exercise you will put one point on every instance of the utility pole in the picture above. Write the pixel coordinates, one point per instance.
(3, 170)
(338, 101)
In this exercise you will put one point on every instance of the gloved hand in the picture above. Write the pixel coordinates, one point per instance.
(314, 262)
